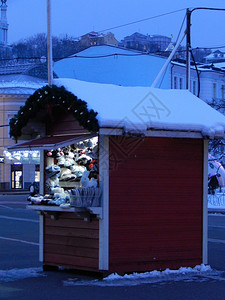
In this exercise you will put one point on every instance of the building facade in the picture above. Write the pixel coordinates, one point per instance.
(142, 42)
(210, 86)
(95, 38)
(17, 169)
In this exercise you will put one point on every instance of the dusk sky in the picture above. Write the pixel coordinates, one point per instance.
(75, 18)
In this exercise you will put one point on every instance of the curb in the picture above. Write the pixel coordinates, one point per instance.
(216, 210)
(14, 193)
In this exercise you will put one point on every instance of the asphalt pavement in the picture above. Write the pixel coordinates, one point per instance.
(22, 277)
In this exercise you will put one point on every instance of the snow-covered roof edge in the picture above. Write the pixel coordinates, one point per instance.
(139, 109)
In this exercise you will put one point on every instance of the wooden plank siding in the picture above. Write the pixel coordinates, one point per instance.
(71, 242)
(63, 123)
(155, 203)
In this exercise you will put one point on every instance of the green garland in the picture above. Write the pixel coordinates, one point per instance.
(53, 96)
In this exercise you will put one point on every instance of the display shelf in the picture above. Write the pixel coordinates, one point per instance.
(71, 184)
(56, 209)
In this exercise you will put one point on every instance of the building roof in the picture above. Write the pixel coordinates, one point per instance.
(215, 53)
(114, 65)
(51, 142)
(119, 66)
(20, 84)
(220, 65)
(141, 109)
(203, 67)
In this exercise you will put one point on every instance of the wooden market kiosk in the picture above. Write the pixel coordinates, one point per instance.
(153, 176)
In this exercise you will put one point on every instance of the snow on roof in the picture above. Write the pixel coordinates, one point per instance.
(16, 91)
(128, 68)
(215, 54)
(202, 67)
(219, 65)
(20, 84)
(142, 108)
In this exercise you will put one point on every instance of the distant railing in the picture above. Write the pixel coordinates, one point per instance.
(19, 65)
(17, 69)
(218, 199)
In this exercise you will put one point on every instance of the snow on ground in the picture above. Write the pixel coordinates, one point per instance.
(199, 273)
(18, 274)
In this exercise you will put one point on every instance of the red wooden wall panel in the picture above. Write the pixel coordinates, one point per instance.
(71, 242)
(155, 203)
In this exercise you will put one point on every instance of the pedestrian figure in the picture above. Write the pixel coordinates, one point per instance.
(33, 189)
(213, 183)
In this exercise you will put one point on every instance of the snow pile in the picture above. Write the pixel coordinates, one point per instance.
(18, 274)
(138, 109)
(167, 272)
(200, 273)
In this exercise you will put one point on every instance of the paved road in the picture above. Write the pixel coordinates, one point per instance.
(216, 238)
(18, 234)
(19, 249)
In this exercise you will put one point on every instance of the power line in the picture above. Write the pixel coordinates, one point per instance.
(210, 48)
(182, 24)
(207, 8)
(142, 20)
(109, 55)
(178, 36)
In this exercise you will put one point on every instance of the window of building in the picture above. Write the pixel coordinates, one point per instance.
(181, 83)
(214, 90)
(175, 82)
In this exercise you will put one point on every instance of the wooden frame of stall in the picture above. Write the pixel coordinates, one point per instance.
(141, 225)
(153, 213)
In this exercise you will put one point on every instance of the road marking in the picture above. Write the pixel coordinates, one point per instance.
(14, 202)
(4, 206)
(21, 241)
(216, 215)
(19, 219)
(216, 241)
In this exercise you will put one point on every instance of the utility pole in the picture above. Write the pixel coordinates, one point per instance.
(49, 43)
(188, 38)
(188, 45)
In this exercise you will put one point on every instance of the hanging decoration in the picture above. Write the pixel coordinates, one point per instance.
(48, 97)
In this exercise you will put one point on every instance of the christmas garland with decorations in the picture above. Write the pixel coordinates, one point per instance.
(47, 98)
